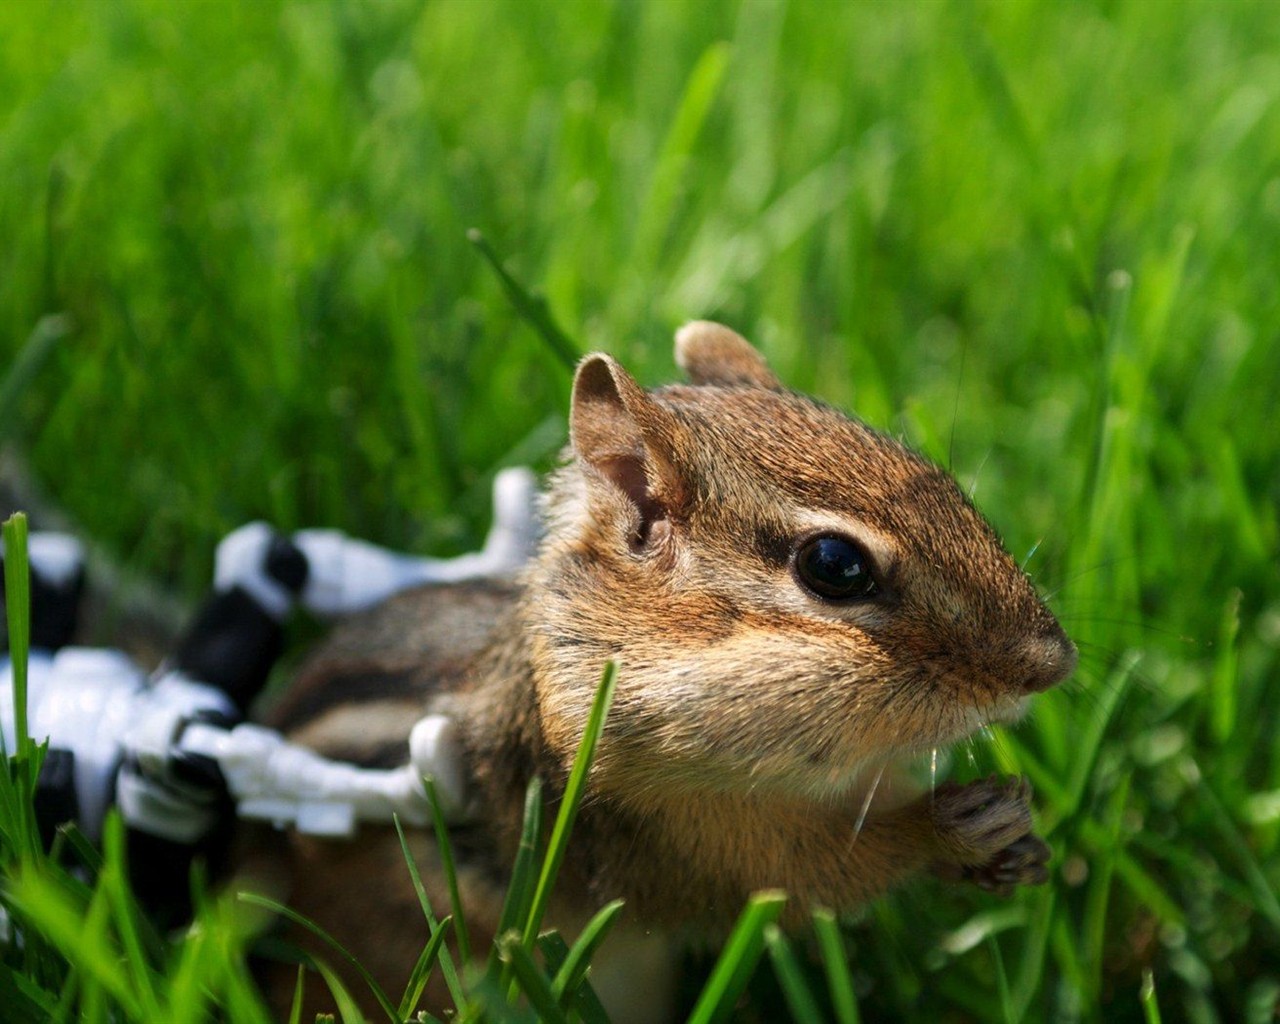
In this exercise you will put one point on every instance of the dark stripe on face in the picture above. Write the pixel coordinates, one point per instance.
(772, 545)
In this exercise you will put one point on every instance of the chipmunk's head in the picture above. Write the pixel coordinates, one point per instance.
(790, 594)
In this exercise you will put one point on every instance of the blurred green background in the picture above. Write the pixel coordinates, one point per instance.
(1038, 240)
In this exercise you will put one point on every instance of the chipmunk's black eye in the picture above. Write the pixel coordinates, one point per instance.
(836, 568)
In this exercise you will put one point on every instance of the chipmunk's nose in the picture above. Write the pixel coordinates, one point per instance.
(1049, 658)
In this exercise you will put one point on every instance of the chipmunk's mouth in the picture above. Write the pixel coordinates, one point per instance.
(1009, 709)
(923, 763)
(1002, 710)
(909, 765)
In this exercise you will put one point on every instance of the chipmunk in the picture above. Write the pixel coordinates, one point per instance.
(794, 600)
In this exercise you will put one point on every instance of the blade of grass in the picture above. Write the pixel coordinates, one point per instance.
(659, 205)
(210, 968)
(445, 847)
(1089, 745)
(554, 950)
(531, 308)
(422, 969)
(1110, 466)
(241, 996)
(305, 922)
(515, 907)
(79, 936)
(1002, 979)
(1014, 757)
(1049, 204)
(1066, 950)
(1224, 684)
(89, 855)
(295, 1008)
(533, 983)
(446, 959)
(132, 960)
(490, 1003)
(573, 793)
(835, 960)
(1147, 996)
(347, 1008)
(40, 343)
(583, 1002)
(1034, 946)
(804, 1009)
(1264, 895)
(1093, 926)
(17, 591)
(1144, 886)
(18, 776)
(94, 1003)
(738, 959)
(142, 945)
(67, 998)
(569, 976)
(23, 1002)
(981, 926)
(189, 982)
(1094, 835)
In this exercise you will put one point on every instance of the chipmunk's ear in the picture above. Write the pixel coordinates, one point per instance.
(627, 439)
(714, 354)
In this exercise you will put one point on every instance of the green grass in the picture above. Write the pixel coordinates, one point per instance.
(1037, 239)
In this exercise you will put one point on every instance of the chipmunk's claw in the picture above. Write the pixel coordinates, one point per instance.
(985, 830)
(1022, 862)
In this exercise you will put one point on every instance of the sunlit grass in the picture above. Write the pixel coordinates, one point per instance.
(1036, 239)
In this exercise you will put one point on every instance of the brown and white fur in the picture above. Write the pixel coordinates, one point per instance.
(750, 715)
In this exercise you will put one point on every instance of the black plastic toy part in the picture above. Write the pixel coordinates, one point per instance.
(55, 611)
(231, 645)
(234, 642)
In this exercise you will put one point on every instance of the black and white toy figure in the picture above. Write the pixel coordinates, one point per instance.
(172, 749)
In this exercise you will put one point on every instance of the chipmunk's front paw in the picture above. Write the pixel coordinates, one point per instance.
(985, 831)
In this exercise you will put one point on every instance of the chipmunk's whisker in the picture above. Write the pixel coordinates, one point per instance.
(866, 804)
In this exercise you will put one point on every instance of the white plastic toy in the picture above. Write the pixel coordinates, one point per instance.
(168, 749)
